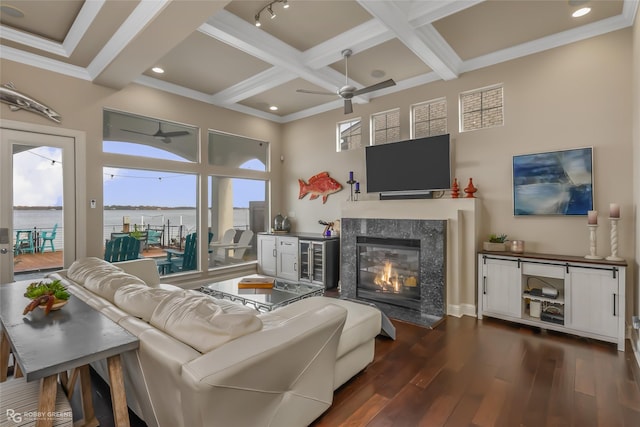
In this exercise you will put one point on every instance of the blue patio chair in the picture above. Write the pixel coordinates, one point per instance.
(122, 249)
(154, 237)
(24, 242)
(189, 259)
(47, 236)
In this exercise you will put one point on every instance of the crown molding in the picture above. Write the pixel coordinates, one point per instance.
(44, 63)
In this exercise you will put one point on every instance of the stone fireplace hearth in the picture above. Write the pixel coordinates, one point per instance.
(419, 296)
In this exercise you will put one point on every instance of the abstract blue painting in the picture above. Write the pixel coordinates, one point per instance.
(553, 183)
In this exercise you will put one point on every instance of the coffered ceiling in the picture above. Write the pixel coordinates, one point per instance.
(212, 51)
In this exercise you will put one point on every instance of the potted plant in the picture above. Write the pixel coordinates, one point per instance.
(495, 243)
(49, 296)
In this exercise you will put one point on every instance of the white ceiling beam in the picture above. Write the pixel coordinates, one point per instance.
(427, 12)
(441, 60)
(254, 85)
(228, 28)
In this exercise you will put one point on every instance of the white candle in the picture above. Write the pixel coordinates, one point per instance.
(614, 210)
(592, 217)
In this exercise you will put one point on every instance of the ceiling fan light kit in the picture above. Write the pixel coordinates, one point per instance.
(348, 91)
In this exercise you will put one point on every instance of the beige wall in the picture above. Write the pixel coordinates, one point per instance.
(635, 109)
(569, 97)
(80, 104)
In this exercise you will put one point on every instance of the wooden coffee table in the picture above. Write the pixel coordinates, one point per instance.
(282, 293)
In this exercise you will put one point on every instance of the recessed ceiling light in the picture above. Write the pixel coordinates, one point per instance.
(581, 12)
(273, 108)
(11, 11)
(157, 70)
(377, 74)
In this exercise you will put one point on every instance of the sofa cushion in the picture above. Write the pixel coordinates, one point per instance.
(227, 306)
(141, 300)
(83, 268)
(200, 322)
(106, 286)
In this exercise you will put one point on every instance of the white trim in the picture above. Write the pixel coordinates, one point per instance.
(459, 310)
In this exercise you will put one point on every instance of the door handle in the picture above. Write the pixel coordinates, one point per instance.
(3, 251)
(274, 253)
(484, 285)
(614, 305)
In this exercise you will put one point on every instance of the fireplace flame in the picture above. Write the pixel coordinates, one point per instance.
(388, 278)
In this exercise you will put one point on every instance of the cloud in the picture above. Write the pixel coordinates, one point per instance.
(37, 177)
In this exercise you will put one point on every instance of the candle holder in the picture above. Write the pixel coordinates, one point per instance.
(614, 241)
(356, 192)
(592, 242)
(351, 182)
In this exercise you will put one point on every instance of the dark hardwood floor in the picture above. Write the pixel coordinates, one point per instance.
(467, 372)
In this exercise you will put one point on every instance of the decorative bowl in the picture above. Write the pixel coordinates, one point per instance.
(57, 305)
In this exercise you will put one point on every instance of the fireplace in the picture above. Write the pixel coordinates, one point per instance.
(397, 264)
(388, 271)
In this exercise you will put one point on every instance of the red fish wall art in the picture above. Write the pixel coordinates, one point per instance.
(319, 185)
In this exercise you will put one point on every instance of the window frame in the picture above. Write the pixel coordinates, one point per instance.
(339, 134)
(372, 130)
(428, 103)
(481, 91)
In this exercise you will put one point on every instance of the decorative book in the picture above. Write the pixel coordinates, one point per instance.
(256, 282)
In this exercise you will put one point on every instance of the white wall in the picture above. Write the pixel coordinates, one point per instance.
(636, 159)
(573, 96)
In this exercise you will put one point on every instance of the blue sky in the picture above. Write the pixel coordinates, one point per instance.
(38, 181)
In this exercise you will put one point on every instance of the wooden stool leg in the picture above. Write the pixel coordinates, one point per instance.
(4, 356)
(118, 397)
(88, 413)
(47, 401)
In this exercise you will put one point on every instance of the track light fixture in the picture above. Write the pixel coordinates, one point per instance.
(269, 8)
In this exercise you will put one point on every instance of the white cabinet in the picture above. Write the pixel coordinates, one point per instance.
(595, 301)
(501, 287)
(278, 256)
(267, 254)
(287, 257)
(561, 293)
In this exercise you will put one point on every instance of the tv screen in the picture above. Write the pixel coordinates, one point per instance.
(414, 165)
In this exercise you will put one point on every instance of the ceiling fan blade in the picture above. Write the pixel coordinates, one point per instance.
(139, 133)
(348, 107)
(377, 86)
(171, 134)
(315, 92)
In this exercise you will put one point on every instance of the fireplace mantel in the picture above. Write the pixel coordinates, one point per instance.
(463, 219)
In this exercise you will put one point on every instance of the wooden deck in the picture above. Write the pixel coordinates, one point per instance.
(42, 261)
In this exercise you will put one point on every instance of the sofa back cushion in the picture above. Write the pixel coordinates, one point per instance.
(107, 285)
(199, 322)
(141, 300)
(81, 269)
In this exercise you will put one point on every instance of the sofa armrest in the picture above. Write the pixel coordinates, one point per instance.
(278, 376)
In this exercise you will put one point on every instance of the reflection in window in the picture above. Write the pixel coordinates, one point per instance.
(130, 134)
(429, 118)
(237, 151)
(385, 127)
(238, 212)
(349, 135)
(160, 205)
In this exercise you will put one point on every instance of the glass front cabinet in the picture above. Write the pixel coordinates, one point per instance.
(319, 262)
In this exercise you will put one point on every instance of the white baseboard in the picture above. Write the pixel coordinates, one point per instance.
(459, 310)
(634, 336)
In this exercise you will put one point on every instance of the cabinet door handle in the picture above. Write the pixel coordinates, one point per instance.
(484, 285)
(274, 253)
(614, 305)
(295, 266)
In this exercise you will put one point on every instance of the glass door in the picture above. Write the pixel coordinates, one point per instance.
(37, 220)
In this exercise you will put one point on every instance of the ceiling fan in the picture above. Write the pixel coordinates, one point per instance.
(163, 136)
(347, 91)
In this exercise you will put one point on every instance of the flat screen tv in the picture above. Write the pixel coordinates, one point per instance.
(415, 165)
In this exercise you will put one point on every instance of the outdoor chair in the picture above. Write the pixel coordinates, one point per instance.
(244, 243)
(154, 238)
(48, 236)
(24, 242)
(219, 254)
(122, 249)
(189, 259)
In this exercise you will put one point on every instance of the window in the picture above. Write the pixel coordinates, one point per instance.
(429, 118)
(481, 108)
(237, 151)
(125, 133)
(385, 127)
(349, 135)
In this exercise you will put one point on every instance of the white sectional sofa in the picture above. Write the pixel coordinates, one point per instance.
(203, 361)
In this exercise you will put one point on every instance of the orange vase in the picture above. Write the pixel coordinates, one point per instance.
(470, 189)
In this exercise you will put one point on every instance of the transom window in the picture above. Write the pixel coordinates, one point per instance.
(349, 135)
(429, 118)
(385, 127)
(481, 108)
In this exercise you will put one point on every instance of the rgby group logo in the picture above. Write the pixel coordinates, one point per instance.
(19, 417)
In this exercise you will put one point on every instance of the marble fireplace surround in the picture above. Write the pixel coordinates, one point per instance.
(462, 218)
(432, 235)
